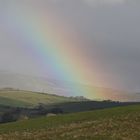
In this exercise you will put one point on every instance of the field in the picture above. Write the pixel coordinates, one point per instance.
(19, 98)
(119, 123)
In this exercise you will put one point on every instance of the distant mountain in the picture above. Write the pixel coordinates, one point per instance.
(24, 82)
(62, 88)
(35, 84)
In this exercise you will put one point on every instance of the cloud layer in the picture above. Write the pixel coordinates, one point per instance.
(111, 28)
(95, 2)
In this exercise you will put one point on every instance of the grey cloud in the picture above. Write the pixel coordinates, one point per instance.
(113, 33)
(111, 30)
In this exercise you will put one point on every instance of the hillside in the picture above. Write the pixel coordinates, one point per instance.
(62, 88)
(20, 98)
(118, 123)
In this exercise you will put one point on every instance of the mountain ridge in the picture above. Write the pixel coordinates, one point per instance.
(61, 88)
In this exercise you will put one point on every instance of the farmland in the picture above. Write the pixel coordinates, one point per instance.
(119, 123)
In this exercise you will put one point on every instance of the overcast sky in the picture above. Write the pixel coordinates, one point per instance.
(112, 27)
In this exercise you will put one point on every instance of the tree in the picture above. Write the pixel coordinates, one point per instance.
(8, 117)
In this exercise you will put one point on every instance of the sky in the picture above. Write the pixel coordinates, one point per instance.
(108, 29)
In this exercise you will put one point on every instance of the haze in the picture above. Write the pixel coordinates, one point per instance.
(111, 27)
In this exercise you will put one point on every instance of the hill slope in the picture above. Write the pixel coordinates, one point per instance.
(62, 88)
(109, 124)
(19, 98)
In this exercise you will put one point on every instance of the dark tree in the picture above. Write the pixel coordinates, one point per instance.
(56, 111)
(8, 117)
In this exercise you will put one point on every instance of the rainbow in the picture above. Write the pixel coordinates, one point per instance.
(53, 47)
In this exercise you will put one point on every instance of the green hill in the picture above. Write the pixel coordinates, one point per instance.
(19, 98)
(13, 102)
(120, 123)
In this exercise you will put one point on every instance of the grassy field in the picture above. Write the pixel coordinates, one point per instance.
(120, 123)
(13, 102)
(19, 98)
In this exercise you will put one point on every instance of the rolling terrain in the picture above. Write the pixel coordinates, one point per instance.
(21, 98)
(62, 88)
(119, 123)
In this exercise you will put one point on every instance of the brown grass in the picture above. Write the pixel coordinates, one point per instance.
(120, 128)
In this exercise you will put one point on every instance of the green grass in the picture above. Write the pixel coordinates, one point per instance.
(13, 102)
(120, 123)
(27, 98)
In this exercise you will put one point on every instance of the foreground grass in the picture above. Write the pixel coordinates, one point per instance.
(121, 123)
